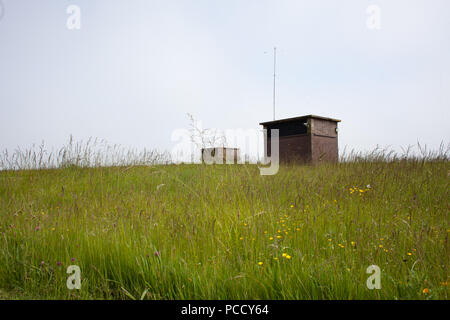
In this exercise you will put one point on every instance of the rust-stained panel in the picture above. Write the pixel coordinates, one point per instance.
(324, 128)
(221, 154)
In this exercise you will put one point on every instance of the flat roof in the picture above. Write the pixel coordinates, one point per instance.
(298, 118)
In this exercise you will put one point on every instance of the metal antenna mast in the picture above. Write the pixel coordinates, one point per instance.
(274, 76)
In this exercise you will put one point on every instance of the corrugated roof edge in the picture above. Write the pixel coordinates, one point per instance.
(298, 118)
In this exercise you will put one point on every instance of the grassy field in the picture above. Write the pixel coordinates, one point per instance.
(225, 232)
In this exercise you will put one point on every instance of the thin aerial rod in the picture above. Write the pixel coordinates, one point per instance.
(274, 76)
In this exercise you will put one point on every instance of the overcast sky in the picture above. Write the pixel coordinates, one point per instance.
(135, 68)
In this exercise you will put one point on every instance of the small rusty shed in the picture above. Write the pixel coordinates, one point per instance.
(309, 139)
(221, 155)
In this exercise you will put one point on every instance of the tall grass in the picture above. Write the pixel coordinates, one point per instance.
(200, 231)
(416, 153)
(89, 153)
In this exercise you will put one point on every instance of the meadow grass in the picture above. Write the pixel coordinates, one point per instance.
(226, 232)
